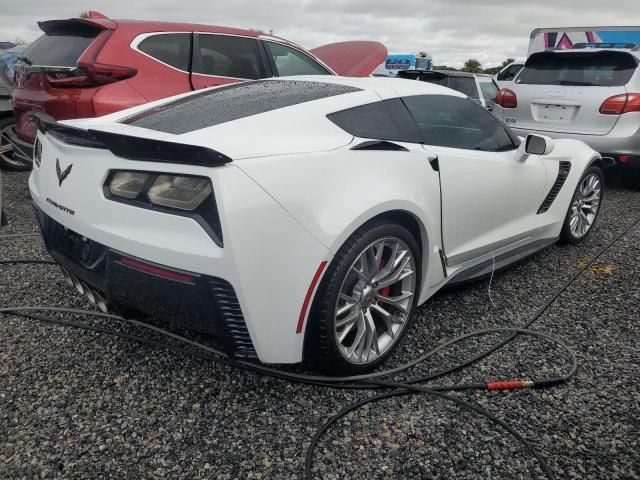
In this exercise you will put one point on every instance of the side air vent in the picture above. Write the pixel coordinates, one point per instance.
(379, 145)
(233, 329)
(563, 172)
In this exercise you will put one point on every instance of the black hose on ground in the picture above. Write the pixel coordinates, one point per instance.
(368, 381)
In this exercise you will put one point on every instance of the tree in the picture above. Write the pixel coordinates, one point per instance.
(445, 67)
(83, 15)
(423, 54)
(472, 65)
(494, 70)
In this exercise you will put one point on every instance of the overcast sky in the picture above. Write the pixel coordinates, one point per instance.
(450, 30)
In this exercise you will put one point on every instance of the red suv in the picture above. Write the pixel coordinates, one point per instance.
(87, 67)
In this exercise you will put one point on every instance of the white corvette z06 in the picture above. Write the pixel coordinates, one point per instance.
(301, 219)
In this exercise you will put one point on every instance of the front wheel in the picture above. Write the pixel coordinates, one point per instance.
(366, 299)
(584, 207)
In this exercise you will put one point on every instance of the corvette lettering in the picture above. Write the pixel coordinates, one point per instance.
(60, 207)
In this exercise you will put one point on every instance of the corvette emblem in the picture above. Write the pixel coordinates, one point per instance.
(62, 175)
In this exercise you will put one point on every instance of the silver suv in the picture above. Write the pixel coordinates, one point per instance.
(590, 93)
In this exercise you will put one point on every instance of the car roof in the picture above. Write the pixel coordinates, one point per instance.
(385, 87)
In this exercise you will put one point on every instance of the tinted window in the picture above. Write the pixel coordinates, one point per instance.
(489, 91)
(385, 120)
(225, 104)
(466, 85)
(601, 69)
(171, 48)
(455, 122)
(510, 72)
(289, 61)
(227, 56)
(61, 47)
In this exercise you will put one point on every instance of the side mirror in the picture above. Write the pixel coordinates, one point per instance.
(537, 145)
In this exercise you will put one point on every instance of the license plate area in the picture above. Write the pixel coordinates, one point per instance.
(548, 113)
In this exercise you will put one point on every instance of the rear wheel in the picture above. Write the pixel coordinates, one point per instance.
(365, 302)
(584, 207)
(7, 160)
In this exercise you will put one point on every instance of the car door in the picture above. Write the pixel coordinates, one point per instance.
(222, 59)
(490, 193)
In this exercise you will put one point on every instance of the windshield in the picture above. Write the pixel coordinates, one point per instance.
(597, 69)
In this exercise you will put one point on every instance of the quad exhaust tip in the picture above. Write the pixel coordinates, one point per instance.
(94, 297)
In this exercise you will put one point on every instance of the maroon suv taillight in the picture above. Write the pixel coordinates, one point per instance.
(507, 98)
(619, 104)
(91, 73)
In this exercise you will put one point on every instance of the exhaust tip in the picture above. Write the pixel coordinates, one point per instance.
(67, 277)
(78, 285)
(89, 294)
(100, 302)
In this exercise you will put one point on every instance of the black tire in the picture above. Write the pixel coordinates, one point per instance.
(566, 235)
(7, 161)
(321, 349)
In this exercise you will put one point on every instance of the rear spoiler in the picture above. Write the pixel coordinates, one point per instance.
(50, 26)
(130, 147)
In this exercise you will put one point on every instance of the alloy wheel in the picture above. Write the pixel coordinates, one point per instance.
(585, 205)
(375, 300)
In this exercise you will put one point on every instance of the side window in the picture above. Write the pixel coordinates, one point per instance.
(227, 56)
(170, 48)
(385, 120)
(510, 72)
(466, 85)
(289, 61)
(454, 122)
(489, 91)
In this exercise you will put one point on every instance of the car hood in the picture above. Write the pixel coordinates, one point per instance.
(352, 59)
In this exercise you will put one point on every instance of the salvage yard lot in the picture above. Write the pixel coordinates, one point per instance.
(78, 404)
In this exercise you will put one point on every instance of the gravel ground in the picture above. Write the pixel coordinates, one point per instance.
(77, 404)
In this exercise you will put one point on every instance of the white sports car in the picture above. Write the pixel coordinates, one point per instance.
(301, 219)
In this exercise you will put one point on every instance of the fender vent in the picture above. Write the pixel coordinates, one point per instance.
(563, 172)
(233, 329)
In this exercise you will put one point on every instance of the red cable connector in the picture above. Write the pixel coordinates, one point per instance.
(509, 385)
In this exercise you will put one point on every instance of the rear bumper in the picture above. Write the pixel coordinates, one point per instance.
(21, 150)
(136, 286)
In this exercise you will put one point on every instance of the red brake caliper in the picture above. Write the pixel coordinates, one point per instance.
(386, 290)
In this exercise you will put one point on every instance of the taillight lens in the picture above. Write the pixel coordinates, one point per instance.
(174, 191)
(128, 184)
(507, 98)
(184, 193)
(619, 104)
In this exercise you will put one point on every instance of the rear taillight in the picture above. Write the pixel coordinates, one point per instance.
(91, 73)
(507, 98)
(619, 104)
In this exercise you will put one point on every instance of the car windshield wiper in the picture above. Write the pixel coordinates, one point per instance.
(24, 59)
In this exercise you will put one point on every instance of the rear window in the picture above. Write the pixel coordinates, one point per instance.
(62, 46)
(225, 104)
(466, 85)
(591, 69)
